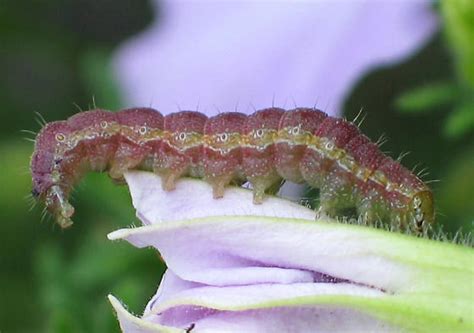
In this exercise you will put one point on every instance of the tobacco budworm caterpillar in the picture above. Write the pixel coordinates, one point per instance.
(300, 145)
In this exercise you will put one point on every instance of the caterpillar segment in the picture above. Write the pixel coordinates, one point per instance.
(303, 145)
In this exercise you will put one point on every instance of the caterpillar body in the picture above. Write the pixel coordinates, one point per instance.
(264, 148)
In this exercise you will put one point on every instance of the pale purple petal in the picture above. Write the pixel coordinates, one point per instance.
(174, 205)
(170, 285)
(292, 319)
(131, 324)
(189, 306)
(210, 250)
(219, 266)
(218, 54)
(277, 319)
(251, 273)
(246, 272)
(194, 250)
(253, 296)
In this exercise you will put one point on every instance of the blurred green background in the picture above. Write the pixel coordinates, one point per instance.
(55, 54)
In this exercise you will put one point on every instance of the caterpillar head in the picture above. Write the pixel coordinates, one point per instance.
(49, 183)
(422, 210)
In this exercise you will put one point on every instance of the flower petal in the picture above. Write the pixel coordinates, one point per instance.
(290, 318)
(293, 319)
(193, 199)
(130, 323)
(271, 302)
(257, 308)
(416, 282)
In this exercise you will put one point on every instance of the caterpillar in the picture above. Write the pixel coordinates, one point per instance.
(264, 148)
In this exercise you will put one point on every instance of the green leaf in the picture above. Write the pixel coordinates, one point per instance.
(458, 18)
(431, 96)
(460, 121)
(455, 192)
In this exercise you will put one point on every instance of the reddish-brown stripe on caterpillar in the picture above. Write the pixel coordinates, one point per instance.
(300, 145)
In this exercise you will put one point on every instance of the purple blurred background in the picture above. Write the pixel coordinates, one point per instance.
(230, 55)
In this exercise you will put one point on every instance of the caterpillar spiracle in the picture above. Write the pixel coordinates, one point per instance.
(264, 148)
